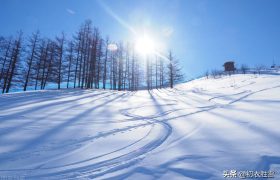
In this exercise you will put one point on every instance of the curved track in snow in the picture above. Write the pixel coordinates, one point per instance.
(93, 134)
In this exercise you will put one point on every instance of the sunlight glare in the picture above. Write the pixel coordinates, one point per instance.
(145, 45)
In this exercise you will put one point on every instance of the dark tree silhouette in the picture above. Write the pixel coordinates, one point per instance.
(84, 61)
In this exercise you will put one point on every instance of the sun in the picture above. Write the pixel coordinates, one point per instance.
(145, 45)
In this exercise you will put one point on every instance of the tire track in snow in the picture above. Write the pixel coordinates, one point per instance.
(117, 163)
(137, 155)
(208, 108)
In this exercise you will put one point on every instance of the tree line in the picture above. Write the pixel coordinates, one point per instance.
(86, 60)
(242, 69)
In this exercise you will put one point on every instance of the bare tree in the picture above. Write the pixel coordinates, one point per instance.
(207, 74)
(78, 41)
(13, 63)
(161, 73)
(45, 61)
(33, 46)
(99, 64)
(6, 48)
(174, 70)
(38, 64)
(50, 64)
(244, 68)
(60, 48)
(120, 66)
(259, 68)
(70, 58)
(105, 63)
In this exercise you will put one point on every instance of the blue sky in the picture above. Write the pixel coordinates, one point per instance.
(202, 33)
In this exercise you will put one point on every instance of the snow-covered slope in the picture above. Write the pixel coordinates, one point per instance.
(195, 131)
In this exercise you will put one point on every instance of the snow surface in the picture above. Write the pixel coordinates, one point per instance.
(195, 131)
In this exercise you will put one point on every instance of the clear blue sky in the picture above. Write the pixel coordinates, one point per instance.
(202, 33)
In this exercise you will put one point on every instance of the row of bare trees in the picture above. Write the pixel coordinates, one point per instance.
(84, 61)
(243, 69)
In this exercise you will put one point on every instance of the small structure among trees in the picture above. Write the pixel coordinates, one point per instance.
(229, 66)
